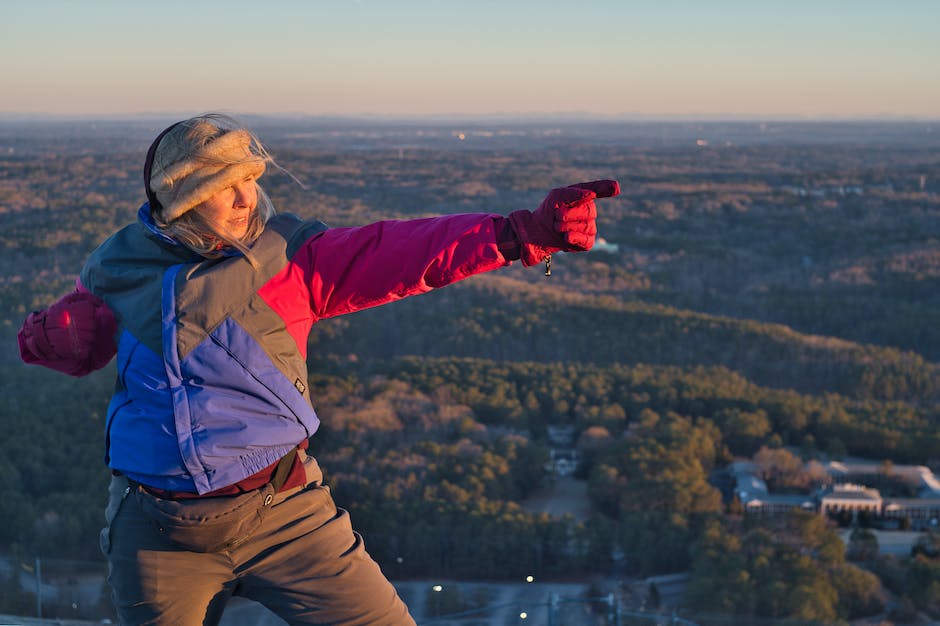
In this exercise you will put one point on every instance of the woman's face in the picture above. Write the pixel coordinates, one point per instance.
(230, 208)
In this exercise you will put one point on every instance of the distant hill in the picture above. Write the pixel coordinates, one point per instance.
(497, 317)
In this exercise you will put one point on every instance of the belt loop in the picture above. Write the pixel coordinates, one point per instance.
(283, 471)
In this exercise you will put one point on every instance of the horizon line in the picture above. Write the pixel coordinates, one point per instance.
(530, 117)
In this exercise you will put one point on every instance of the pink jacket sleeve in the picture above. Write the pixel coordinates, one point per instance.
(74, 336)
(349, 269)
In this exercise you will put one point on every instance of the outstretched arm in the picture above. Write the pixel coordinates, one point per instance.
(74, 336)
(350, 269)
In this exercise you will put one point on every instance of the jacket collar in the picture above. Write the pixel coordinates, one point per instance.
(145, 218)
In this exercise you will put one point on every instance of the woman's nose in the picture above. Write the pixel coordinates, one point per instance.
(242, 195)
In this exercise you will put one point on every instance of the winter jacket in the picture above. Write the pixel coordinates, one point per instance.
(211, 353)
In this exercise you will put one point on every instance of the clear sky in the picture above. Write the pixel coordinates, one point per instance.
(749, 58)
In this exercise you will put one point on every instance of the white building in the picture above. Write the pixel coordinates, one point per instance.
(849, 497)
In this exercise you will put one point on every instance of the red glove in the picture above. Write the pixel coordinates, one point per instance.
(75, 333)
(566, 220)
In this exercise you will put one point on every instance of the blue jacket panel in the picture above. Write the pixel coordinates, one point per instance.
(140, 440)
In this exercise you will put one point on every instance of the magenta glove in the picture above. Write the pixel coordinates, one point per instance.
(565, 221)
(74, 334)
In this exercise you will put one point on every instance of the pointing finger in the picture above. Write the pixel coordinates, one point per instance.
(603, 188)
(564, 197)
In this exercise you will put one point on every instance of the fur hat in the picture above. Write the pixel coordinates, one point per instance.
(195, 160)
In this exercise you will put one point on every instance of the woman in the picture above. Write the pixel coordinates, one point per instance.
(207, 301)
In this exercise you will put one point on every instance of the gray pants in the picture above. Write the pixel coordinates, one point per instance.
(302, 561)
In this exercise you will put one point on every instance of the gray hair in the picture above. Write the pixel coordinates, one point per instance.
(187, 141)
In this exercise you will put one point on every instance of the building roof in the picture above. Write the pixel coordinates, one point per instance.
(749, 487)
(913, 503)
(851, 492)
(794, 500)
(911, 472)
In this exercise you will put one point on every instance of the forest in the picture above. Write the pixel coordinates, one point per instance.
(764, 287)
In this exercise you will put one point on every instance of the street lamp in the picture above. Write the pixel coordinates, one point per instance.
(435, 600)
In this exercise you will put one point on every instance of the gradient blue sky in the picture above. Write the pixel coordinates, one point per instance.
(756, 58)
